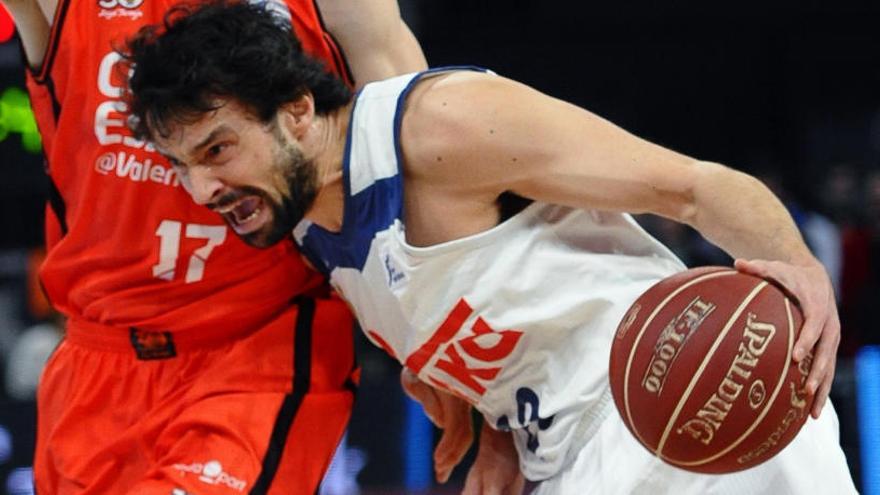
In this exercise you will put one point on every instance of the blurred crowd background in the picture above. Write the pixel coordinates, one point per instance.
(788, 91)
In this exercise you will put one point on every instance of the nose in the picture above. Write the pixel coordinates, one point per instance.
(203, 185)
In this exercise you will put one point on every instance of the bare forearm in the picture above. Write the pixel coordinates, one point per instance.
(32, 26)
(739, 214)
(376, 42)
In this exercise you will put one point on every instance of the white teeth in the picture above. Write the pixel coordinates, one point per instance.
(251, 216)
(226, 209)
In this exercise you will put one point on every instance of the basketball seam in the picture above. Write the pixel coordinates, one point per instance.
(641, 333)
(760, 418)
(687, 393)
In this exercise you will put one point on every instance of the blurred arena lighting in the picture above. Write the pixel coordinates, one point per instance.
(5, 445)
(20, 482)
(418, 441)
(341, 477)
(6, 26)
(17, 117)
(868, 400)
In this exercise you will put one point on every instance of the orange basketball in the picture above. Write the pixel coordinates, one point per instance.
(702, 372)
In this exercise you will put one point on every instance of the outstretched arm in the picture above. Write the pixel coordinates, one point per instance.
(376, 42)
(503, 136)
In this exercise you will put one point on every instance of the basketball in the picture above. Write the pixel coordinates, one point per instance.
(702, 372)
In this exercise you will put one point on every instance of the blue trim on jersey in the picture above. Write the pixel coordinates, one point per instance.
(370, 211)
(398, 112)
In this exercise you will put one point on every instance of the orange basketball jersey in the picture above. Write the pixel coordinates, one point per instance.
(126, 245)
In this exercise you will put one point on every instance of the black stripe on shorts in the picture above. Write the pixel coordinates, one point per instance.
(302, 376)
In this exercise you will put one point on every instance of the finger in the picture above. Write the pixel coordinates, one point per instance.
(442, 471)
(820, 321)
(424, 395)
(458, 435)
(758, 268)
(823, 356)
(774, 271)
(822, 396)
(821, 383)
(473, 483)
(816, 315)
(451, 449)
(813, 328)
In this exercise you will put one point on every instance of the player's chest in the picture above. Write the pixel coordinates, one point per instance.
(443, 315)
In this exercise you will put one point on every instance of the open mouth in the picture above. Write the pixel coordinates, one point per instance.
(246, 215)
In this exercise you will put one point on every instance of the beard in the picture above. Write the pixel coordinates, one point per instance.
(296, 184)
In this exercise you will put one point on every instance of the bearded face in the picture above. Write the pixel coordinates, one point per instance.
(262, 216)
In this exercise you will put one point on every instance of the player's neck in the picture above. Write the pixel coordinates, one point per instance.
(332, 130)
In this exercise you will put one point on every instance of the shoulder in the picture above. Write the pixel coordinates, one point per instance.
(444, 93)
(462, 101)
(447, 108)
(461, 120)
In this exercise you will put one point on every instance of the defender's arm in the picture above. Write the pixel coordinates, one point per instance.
(33, 21)
(376, 42)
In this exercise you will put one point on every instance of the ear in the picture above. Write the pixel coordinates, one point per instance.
(297, 116)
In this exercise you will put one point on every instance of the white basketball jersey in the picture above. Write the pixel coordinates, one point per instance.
(517, 320)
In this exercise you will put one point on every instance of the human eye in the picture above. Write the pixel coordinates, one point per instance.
(217, 152)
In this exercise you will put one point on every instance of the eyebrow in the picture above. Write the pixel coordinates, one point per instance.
(211, 137)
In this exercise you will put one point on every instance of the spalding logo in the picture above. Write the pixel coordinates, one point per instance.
(671, 340)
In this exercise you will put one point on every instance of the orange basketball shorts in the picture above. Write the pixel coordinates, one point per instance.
(127, 412)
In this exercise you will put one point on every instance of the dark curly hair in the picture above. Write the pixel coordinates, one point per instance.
(220, 49)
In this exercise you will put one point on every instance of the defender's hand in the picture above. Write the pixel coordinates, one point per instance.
(810, 284)
(451, 414)
(496, 469)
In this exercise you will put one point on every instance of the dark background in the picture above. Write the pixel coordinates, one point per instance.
(786, 89)
(790, 85)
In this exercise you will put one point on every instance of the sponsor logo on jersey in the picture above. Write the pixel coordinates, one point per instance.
(212, 473)
(132, 158)
(128, 166)
(464, 361)
(111, 9)
(394, 274)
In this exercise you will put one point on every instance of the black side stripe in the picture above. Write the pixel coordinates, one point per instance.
(56, 202)
(302, 377)
(55, 41)
(339, 60)
(56, 105)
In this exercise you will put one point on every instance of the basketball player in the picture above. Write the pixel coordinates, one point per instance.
(192, 363)
(476, 228)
